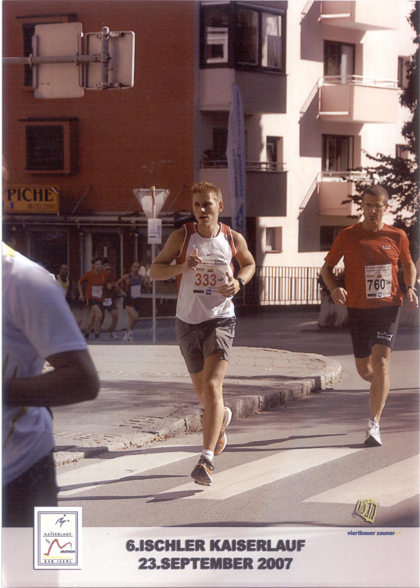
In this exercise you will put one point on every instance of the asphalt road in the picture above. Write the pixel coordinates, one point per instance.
(300, 465)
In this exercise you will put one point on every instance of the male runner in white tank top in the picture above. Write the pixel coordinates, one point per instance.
(205, 316)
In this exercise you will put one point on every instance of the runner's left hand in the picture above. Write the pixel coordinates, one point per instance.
(230, 288)
(413, 299)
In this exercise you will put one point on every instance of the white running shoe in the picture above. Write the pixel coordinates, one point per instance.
(128, 336)
(222, 439)
(113, 335)
(373, 435)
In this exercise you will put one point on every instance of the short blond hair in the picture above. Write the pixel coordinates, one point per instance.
(203, 187)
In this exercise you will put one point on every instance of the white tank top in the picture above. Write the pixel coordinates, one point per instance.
(198, 297)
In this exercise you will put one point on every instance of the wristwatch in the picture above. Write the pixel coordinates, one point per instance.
(241, 283)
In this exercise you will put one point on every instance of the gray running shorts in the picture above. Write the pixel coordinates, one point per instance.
(197, 342)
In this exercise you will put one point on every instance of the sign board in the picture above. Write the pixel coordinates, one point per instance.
(121, 64)
(31, 199)
(144, 196)
(58, 80)
(154, 230)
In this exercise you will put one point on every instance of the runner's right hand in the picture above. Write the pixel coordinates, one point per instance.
(339, 295)
(193, 260)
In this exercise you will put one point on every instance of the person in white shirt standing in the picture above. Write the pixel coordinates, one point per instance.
(205, 315)
(38, 325)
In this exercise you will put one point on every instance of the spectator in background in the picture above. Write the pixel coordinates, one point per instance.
(64, 281)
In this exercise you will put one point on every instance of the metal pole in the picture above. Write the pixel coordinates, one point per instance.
(37, 60)
(136, 246)
(105, 58)
(153, 283)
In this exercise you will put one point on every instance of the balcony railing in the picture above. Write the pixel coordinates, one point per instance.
(263, 166)
(360, 15)
(334, 188)
(359, 81)
(359, 99)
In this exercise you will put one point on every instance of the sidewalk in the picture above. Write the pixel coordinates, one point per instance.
(146, 395)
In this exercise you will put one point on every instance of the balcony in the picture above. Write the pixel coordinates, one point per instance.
(262, 92)
(363, 15)
(333, 188)
(357, 99)
(266, 186)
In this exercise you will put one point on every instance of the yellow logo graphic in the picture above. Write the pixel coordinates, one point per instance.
(366, 509)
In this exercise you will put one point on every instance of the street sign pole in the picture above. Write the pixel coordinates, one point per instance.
(152, 204)
(153, 282)
(61, 69)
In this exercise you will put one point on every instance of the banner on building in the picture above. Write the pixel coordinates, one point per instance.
(237, 160)
(31, 199)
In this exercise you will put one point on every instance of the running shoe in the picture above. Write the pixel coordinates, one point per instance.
(97, 337)
(128, 336)
(373, 435)
(87, 336)
(113, 335)
(201, 474)
(222, 440)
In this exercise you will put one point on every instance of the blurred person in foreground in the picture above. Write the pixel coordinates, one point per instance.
(38, 326)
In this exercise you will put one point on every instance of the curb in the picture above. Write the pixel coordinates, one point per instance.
(189, 421)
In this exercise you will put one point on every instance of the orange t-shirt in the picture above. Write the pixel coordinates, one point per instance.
(95, 284)
(371, 264)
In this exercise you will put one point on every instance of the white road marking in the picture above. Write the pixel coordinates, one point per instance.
(387, 486)
(258, 473)
(114, 469)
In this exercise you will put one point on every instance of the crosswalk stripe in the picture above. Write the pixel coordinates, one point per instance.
(387, 486)
(108, 470)
(258, 473)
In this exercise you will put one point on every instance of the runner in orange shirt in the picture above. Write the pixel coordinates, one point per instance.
(94, 295)
(371, 251)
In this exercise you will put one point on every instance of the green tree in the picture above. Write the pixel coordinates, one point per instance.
(400, 176)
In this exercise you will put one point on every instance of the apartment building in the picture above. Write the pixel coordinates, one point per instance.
(320, 84)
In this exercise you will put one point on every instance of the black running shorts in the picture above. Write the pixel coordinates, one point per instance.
(197, 342)
(108, 307)
(372, 326)
(93, 302)
(134, 303)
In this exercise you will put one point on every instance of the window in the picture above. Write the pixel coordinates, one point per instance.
(402, 151)
(271, 40)
(29, 30)
(246, 34)
(328, 236)
(337, 153)
(273, 239)
(51, 145)
(45, 147)
(402, 71)
(216, 24)
(220, 137)
(275, 152)
(339, 59)
(242, 36)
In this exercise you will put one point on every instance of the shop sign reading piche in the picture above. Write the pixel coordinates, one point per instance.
(31, 199)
